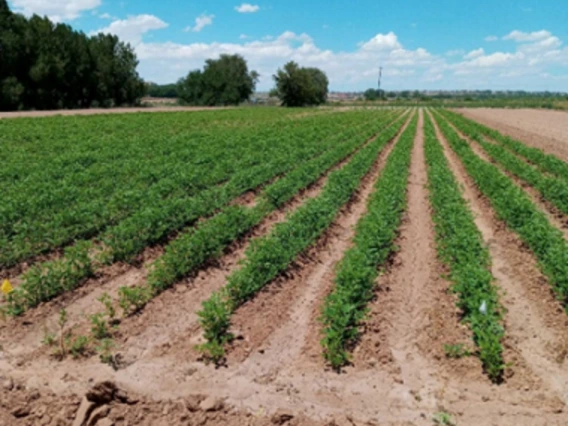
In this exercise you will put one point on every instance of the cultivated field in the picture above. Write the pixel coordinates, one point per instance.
(271, 266)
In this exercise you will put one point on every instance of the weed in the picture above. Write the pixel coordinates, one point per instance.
(104, 349)
(443, 419)
(99, 326)
(133, 299)
(107, 302)
(78, 346)
(456, 351)
(49, 339)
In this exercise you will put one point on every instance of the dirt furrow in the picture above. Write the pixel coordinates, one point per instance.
(23, 335)
(147, 341)
(403, 330)
(535, 322)
(183, 333)
(555, 216)
(284, 310)
(545, 130)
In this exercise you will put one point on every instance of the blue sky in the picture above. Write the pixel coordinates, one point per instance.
(444, 44)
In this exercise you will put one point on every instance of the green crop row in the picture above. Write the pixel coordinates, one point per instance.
(186, 252)
(198, 245)
(270, 255)
(345, 307)
(149, 226)
(514, 207)
(546, 162)
(81, 202)
(460, 246)
(552, 189)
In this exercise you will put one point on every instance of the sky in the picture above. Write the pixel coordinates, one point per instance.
(424, 45)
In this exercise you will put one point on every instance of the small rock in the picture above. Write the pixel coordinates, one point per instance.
(105, 422)
(20, 412)
(40, 411)
(192, 403)
(342, 421)
(34, 395)
(83, 412)
(102, 393)
(44, 421)
(98, 414)
(211, 404)
(281, 417)
(8, 384)
(123, 397)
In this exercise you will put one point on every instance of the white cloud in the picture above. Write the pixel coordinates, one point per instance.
(243, 37)
(56, 10)
(133, 28)
(201, 22)
(108, 16)
(491, 38)
(357, 69)
(247, 8)
(382, 42)
(455, 52)
(475, 53)
(521, 37)
(496, 59)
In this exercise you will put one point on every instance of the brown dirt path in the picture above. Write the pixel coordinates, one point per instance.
(24, 334)
(535, 323)
(99, 111)
(288, 306)
(413, 311)
(284, 376)
(555, 216)
(547, 130)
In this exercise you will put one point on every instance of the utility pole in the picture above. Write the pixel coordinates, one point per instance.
(379, 91)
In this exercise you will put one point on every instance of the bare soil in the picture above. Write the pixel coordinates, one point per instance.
(553, 214)
(99, 111)
(275, 373)
(544, 129)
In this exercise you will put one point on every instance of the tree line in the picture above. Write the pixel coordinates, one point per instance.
(227, 81)
(44, 65)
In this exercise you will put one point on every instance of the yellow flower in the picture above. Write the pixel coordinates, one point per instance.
(7, 287)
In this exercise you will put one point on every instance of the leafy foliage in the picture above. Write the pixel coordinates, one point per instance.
(162, 90)
(258, 158)
(268, 256)
(521, 215)
(552, 189)
(546, 162)
(373, 94)
(345, 307)
(197, 245)
(44, 65)
(223, 81)
(461, 247)
(297, 86)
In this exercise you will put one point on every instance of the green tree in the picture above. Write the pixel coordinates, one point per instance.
(297, 86)
(162, 90)
(371, 95)
(44, 65)
(223, 81)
